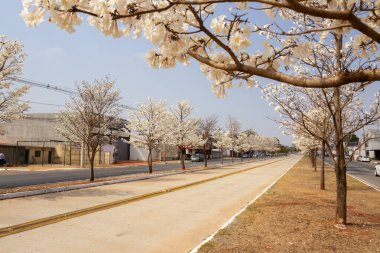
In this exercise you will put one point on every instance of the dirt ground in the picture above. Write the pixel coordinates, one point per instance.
(295, 216)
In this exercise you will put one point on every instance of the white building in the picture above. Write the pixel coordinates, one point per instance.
(372, 147)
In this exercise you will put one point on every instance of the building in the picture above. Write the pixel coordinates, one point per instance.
(34, 140)
(372, 147)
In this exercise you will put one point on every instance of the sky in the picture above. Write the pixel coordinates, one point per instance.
(59, 58)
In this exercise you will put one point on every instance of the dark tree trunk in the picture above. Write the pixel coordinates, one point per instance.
(221, 151)
(315, 159)
(92, 159)
(322, 184)
(311, 156)
(340, 163)
(341, 187)
(182, 158)
(150, 161)
(233, 156)
(205, 156)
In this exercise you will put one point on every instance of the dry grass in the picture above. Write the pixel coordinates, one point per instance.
(295, 216)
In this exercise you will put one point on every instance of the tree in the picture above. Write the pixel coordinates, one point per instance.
(182, 128)
(306, 111)
(206, 128)
(11, 61)
(222, 141)
(218, 34)
(91, 115)
(148, 127)
(234, 127)
(242, 144)
(251, 141)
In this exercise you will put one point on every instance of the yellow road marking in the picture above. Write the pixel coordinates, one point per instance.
(70, 215)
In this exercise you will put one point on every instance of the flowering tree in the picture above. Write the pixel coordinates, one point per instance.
(219, 34)
(222, 141)
(11, 60)
(90, 116)
(148, 127)
(234, 127)
(206, 128)
(306, 111)
(182, 128)
(251, 141)
(242, 143)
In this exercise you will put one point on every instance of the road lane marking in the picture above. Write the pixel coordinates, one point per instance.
(81, 212)
(365, 182)
(359, 179)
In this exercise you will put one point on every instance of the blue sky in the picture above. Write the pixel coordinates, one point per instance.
(59, 58)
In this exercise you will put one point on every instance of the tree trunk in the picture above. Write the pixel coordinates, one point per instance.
(322, 184)
(311, 156)
(241, 154)
(341, 187)
(150, 162)
(315, 160)
(182, 159)
(205, 156)
(221, 151)
(233, 156)
(340, 164)
(92, 159)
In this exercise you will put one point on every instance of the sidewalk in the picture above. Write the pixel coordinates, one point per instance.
(172, 222)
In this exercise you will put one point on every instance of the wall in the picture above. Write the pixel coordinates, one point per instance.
(140, 154)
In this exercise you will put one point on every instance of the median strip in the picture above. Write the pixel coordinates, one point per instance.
(81, 212)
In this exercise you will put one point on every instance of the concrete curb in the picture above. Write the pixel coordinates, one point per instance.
(116, 181)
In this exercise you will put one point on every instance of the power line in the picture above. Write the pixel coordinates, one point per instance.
(39, 103)
(56, 88)
(43, 85)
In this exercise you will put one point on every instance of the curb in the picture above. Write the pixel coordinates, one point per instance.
(116, 181)
(366, 183)
(359, 179)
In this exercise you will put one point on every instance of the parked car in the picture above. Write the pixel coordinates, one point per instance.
(363, 158)
(245, 156)
(197, 158)
(377, 170)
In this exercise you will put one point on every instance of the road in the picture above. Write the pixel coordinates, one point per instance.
(176, 221)
(364, 171)
(9, 179)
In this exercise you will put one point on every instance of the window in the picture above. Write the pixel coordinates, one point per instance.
(37, 153)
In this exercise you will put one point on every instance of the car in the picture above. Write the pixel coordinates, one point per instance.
(245, 156)
(377, 170)
(363, 158)
(197, 158)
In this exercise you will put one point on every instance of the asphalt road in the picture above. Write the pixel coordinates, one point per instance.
(9, 179)
(364, 171)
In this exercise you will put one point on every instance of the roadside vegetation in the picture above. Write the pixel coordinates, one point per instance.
(295, 216)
